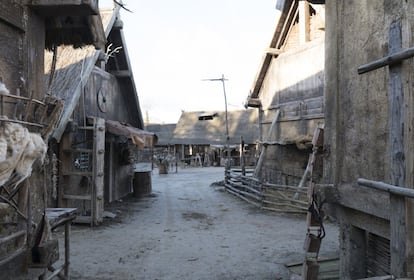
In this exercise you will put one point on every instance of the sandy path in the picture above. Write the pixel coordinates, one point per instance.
(190, 230)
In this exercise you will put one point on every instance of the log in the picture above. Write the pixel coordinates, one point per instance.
(283, 211)
(273, 51)
(244, 198)
(284, 188)
(391, 59)
(304, 203)
(268, 138)
(243, 192)
(387, 188)
(285, 204)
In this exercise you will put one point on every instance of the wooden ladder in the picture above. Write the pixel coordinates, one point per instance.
(86, 162)
(315, 230)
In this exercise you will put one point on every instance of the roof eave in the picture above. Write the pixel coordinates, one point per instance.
(282, 26)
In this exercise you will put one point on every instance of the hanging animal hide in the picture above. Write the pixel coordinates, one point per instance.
(19, 149)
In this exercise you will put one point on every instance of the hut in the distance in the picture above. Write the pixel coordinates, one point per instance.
(203, 135)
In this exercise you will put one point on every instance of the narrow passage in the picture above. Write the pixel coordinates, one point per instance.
(188, 229)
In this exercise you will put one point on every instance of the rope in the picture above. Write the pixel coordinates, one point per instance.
(315, 209)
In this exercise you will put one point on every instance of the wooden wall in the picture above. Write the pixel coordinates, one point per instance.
(357, 127)
(21, 70)
(293, 89)
(116, 106)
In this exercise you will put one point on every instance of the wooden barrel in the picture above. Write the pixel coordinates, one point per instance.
(142, 183)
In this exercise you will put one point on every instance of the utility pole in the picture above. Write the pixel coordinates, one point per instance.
(222, 80)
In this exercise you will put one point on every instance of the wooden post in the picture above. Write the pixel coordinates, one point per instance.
(111, 172)
(183, 155)
(242, 160)
(67, 250)
(304, 21)
(397, 164)
(98, 170)
(263, 151)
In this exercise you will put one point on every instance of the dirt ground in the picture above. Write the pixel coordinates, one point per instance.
(188, 229)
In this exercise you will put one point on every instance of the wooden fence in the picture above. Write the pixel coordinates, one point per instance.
(273, 197)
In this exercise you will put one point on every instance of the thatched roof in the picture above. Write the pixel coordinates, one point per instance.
(242, 123)
(73, 68)
(164, 132)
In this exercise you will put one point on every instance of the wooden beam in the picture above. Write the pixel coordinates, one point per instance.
(369, 223)
(387, 188)
(65, 7)
(365, 200)
(398, 232)
(121, 73)
(12, 14)
(304, 21)
(98, 170)
(391, 59)
(254, 102)
(273, 51)
(264, 148)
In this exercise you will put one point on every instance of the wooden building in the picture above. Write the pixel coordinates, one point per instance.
(368, 134)
(165, 134)
(199, 137)
(288, 91)
(28, 116)
(99, 139)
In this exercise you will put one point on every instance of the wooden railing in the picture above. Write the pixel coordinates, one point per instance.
(267, 196)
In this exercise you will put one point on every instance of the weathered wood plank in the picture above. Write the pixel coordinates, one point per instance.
(391, 59)
(65, 7)
(304, 22)
(397, 165)
(76, 197)
(12, 13)
(268, 138)
(369, 223)
(387, 187)
(243, 197)
(98, 168)
(368, 201)
(273, 51)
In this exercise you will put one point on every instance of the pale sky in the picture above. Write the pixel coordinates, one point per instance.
(173, 45)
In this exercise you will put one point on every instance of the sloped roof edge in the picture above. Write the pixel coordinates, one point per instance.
(87, 67)
(286, 8)
(139, 137)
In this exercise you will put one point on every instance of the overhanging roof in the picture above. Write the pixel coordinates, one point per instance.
(71, 22)
(139, 137)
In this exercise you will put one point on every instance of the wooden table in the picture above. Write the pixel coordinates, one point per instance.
(58, 217)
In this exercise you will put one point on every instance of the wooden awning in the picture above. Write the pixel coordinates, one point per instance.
(71, 22)
(139, 137)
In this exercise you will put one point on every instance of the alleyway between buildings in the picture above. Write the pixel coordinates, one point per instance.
(189, 229)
